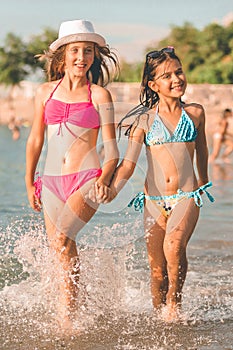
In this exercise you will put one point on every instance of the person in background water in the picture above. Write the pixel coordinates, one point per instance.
(223, 137)
(15, 130)
(174, 134)
(14, 125)
(73, 106)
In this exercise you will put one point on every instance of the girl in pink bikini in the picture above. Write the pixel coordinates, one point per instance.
(72, 107)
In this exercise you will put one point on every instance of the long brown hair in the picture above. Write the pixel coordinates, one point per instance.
(103, 70)
(148, 97)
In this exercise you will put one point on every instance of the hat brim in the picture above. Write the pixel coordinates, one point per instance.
(93, 37)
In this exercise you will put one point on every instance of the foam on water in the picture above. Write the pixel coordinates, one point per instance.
(114, 309)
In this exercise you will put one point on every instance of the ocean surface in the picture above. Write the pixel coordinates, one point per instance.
(115, 310)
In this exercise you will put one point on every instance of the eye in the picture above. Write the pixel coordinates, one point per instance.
(166, 76)
(89, 50)
(74, 50)
(179, 72)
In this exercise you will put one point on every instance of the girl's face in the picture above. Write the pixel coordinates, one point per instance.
(169, 80)
(79, 57)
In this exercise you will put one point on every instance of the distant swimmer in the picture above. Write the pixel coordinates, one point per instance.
(223, 136)
(15, 129)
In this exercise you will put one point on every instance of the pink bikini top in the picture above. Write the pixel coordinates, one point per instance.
(81, 114)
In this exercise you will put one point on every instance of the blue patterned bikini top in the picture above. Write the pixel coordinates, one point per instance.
(185, 131)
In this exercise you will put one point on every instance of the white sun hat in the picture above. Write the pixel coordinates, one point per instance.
(77, 30)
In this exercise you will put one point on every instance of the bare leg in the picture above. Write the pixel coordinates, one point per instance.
(155, 233)
(228, 150)
(217, 141)
(180, 227)
(62, 231)
(66, 252)
(167, 240)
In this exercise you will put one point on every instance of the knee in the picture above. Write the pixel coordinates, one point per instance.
(64, 246)
(174, 251)
(158, 273)
(158, 269)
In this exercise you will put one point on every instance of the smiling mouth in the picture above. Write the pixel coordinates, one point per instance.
(80, 65)
(178, 87)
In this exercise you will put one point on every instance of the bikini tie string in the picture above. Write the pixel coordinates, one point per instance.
(197, 194)
(38, 185)
(66, 126)
(138, 202)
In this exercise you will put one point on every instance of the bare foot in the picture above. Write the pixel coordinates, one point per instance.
(171, 313)
(67, 324)
(67, 327)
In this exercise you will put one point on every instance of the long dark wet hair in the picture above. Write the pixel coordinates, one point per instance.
(104, 68)
(148, 97)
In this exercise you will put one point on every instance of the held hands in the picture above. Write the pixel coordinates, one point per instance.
(101, 193)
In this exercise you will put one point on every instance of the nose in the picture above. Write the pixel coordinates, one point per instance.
(176, 77)
(80, 55)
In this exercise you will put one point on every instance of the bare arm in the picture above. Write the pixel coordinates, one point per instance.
(126, 168)
(33, 150)
(202, 151)
(101, 189)
(222, 127)
(111, 153)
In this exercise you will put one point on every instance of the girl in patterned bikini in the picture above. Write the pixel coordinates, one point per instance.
(72, 107)
(173, 133)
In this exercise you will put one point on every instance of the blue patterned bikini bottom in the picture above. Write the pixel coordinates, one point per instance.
(167, 203)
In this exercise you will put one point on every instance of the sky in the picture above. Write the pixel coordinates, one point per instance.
(129, 26)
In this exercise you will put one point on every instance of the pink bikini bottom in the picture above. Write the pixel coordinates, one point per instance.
(64, 185)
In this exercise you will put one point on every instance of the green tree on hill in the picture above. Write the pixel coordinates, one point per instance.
(207, 55)
(130, 72)
(12, 65)
(17, 60)
(12, 60)
(37, 45)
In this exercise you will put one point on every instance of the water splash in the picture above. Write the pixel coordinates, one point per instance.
(114, 309)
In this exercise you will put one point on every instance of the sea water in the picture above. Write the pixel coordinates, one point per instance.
(114, 309)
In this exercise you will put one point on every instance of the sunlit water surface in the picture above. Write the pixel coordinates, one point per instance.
(114, 310)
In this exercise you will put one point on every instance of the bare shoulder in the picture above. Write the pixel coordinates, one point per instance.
(146, 119)
(194, 109)
(44, 90)
(196, 112)
(141, 121)
(100, 94)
